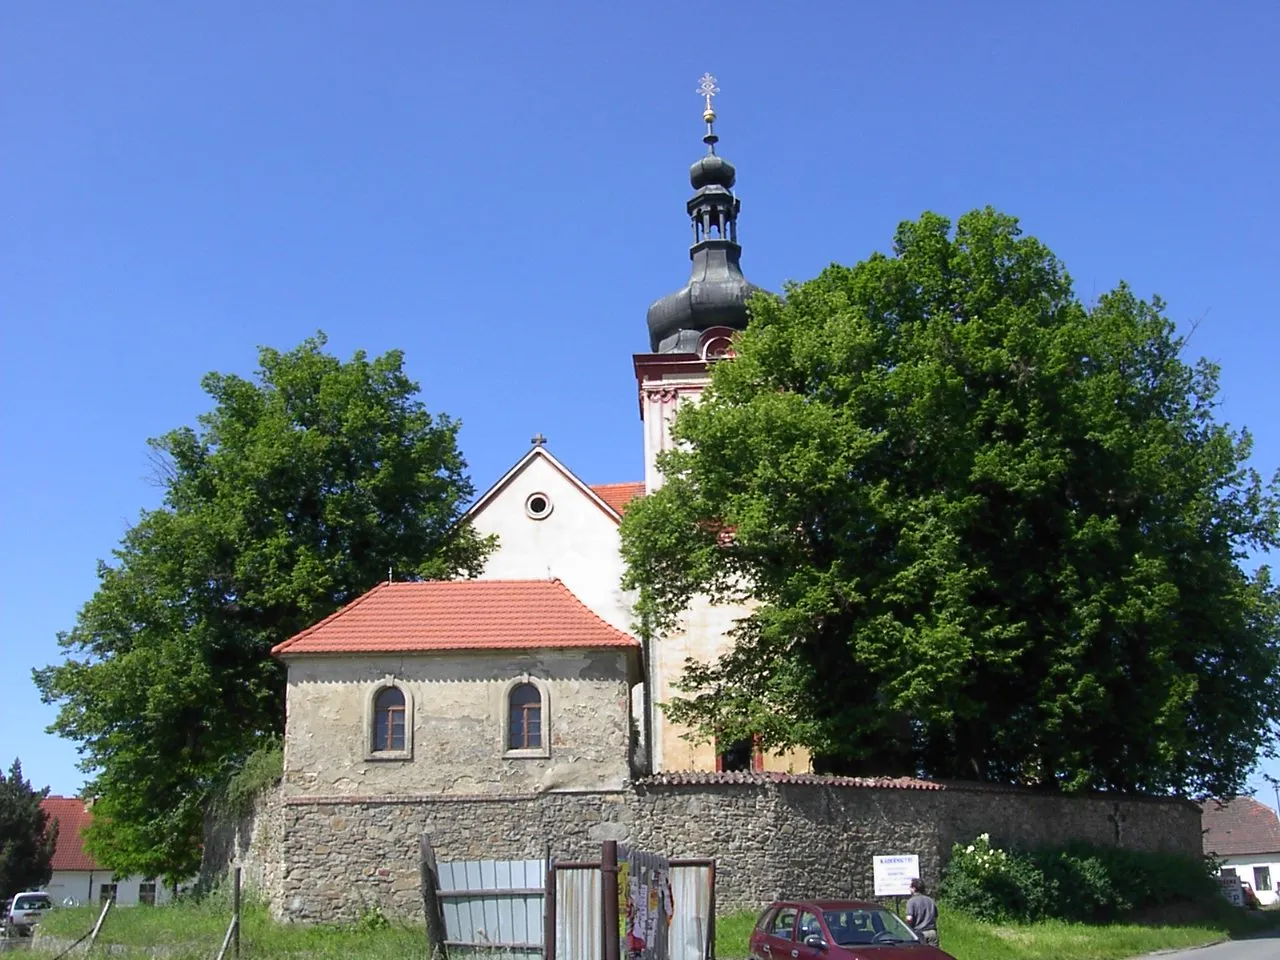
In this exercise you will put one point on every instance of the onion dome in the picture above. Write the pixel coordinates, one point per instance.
(717, 292)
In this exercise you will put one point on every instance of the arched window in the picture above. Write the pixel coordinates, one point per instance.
(524, 725)
(389, 720)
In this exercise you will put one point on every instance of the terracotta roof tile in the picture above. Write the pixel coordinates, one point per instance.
(459, 615)
(618, 495)
(1240, 827)
(73, 816)
(679, 778)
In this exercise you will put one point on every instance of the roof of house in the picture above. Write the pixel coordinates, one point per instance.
(73, 816)
(618, 495)
(683, 778)
(459, 615)
(611, 498)
(1240, 827)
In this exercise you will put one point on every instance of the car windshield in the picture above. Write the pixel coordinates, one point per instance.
(866, 925)
(40, 902)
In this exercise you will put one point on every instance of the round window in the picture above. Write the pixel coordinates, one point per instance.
(538, 506)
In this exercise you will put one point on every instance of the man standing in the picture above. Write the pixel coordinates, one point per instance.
(922, 913)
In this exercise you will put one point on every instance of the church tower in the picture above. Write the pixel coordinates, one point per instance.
(689, 330)
(693, 327)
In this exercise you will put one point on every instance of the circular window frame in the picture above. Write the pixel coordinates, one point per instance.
(532, 512)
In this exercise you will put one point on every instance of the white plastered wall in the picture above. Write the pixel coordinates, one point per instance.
(576, 543)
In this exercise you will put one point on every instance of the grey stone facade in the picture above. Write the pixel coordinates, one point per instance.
(456, 714)
(320, 859)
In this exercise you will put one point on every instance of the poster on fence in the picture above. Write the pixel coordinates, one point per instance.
(648, 909)
(893, 875)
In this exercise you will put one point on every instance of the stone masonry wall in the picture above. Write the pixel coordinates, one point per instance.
(769, 837)
(253, 842)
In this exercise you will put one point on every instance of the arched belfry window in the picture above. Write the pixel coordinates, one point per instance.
(389, 721)
(524, 722)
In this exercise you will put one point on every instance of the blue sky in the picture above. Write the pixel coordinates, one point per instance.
(498, 189)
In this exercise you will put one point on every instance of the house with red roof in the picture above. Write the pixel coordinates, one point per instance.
(523, 680)
(1244, 835)
(467, 687)
(77, 877)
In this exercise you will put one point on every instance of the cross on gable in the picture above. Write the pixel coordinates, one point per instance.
(538, 440)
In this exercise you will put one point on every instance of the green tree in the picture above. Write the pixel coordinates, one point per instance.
(27, 837)
(296, 493)
(989, 532)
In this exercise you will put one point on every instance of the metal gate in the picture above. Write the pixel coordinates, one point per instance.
(585, 910)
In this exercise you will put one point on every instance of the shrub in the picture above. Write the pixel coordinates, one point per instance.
(261, 770)
(993, 884)
(1081, 883)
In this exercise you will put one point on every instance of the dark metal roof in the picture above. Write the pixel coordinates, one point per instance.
(716, 294)
(712, 170)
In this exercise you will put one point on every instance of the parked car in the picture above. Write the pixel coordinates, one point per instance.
(25, 911)
(836, 930)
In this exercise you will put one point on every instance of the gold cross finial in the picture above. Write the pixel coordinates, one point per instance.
(707, 89)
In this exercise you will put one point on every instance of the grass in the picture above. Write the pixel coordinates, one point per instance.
(195, 929)
(968, 939)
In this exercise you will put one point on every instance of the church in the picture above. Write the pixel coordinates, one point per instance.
(529, 677)
(517, 715)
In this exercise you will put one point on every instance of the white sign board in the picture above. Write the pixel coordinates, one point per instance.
(893, 875)
(1231, 888)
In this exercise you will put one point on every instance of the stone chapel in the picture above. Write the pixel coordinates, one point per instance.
(528, 679)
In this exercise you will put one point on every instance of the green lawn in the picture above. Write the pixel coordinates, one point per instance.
(191, 930)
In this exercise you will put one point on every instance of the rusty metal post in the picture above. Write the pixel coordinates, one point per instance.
(549, 911)
(609, 896)
(711, 922)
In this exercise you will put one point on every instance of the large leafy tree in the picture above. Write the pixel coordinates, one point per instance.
(27, 835)
(987, 531)
(297, 492)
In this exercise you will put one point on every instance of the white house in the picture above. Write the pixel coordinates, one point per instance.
(77, 877)
(1245, 836)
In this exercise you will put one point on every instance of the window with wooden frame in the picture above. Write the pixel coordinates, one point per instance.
(744, 756)
(147, 893)
(389, 721)
(524, 722)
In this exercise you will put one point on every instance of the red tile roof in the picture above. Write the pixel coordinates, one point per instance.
(683, 778)
(618, 495)
(1240, 827)
(459, 615)
(73, 816)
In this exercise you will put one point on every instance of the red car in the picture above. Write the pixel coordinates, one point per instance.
(836, 930)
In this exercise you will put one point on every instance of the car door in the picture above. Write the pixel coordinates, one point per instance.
(755, 946)
(809, 924)
(777, 941)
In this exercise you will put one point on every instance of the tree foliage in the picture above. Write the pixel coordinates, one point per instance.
(987, 531)
(27, 836)
(297, 492)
